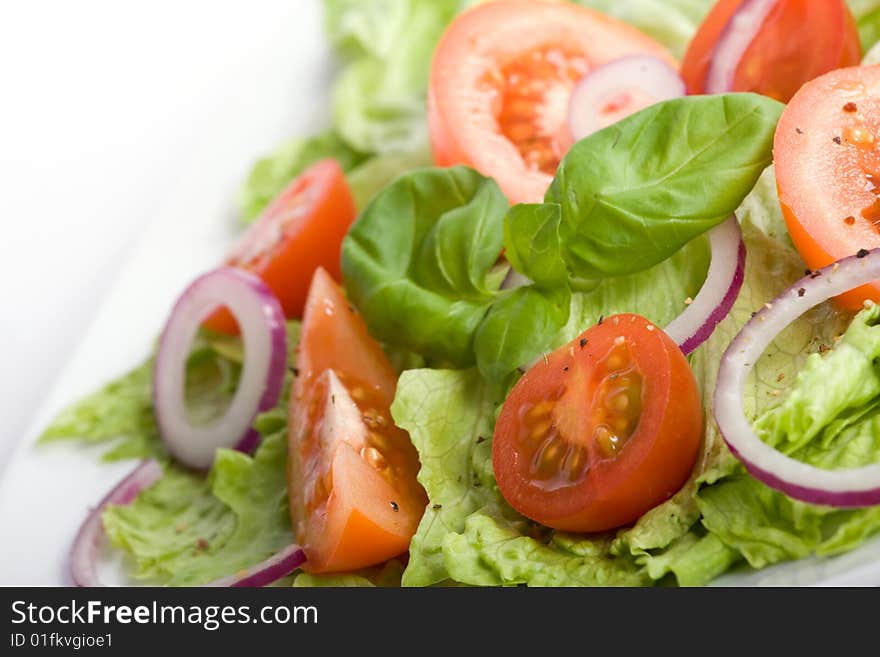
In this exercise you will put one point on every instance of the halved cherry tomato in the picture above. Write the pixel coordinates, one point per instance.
(828, 169)
(301, 230)
(354, 498)
(500, 83)
(602, 430)
(798, 41)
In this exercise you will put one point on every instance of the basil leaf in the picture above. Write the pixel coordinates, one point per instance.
(520, 327)
(531, 240)
(418, 260)
(634, 193)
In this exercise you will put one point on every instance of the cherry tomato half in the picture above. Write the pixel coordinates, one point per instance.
(301, 230)
(828, 169)
(605, 428)
(501, 80)
(797, 41)
(354, 498)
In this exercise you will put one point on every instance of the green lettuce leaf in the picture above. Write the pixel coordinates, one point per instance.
(672, 22)
(186, 530)
(449, 415)
(373, 175)
(867, 15)
(419, 260)
(379, 99)
(120, 413)
(634, 193)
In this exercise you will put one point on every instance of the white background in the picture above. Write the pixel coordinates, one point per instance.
(106, 108)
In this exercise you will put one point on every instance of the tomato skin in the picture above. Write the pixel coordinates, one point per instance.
(318, 209)
(650, 466)
(798, 41)
(474, 107)
(827, 165)
(352, 522)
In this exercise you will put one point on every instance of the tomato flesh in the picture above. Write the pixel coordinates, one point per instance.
(605, 428)
(797, 41)
(354, 497)
(301, 230)
(828, 170)
(500, 84)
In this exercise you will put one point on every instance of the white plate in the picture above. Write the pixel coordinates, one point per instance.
(45, 492)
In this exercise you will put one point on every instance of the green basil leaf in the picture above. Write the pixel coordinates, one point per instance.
(634, 193)
(519, 327)
(418, 262)
(531, 241)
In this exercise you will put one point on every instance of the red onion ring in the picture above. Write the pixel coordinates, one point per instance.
(261, 320)
(514, 280)
(719, 291)
(738, 34)
(264, 573)
(646, 74)
(84, 551)
(855, 487)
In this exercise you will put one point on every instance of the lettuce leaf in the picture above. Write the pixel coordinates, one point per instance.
(120, 413)
(672, 22)
(187, 530)
(379, 99)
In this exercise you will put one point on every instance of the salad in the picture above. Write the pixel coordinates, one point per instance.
(570, 294)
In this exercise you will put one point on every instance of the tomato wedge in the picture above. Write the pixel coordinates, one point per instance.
(301, 230)
(796, 42)
(354, 498)
(501, 80)
(605, 428)
(828, 170)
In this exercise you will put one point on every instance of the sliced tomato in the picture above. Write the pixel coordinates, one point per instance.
(354, 497)
(601, 431)
(797, 41)
(500, 84)
(828, 169)
(301, 230)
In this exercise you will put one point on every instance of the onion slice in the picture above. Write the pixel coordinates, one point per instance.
(264, 573)
(719, 291)
(738, 34)
(261, 321)
(855, 487)
(621, 87)
(84, 552)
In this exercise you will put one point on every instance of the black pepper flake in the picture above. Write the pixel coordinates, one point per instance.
(481, 439)
(808, 272)
(801, 292)
(437, 507)
(565, 369)
(816, 274)
(862, 253)
(850, 107)
(333, 399)
(799, 131)
(753, 314)
(394, 506)
(601, 319)
(584, 340)
(837, 140)
(202, 544)
(294, 371)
